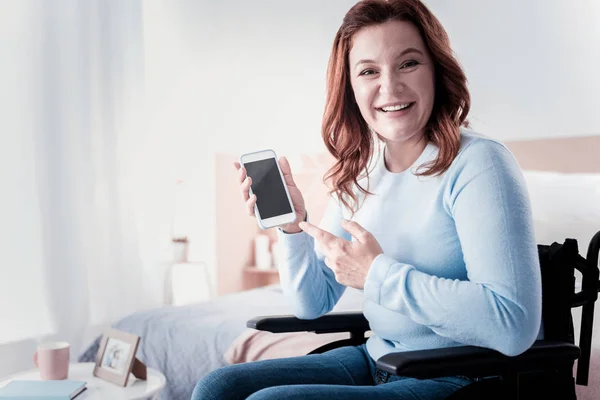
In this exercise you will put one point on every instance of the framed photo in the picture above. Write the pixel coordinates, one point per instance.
(116, 356)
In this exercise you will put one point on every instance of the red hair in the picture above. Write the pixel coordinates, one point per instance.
(345, 132)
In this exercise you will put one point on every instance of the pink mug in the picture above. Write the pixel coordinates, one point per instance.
(53, 360)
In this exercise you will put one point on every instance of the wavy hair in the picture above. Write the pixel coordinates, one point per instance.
(345, 132)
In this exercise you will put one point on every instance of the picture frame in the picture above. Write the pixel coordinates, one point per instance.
(116, 358)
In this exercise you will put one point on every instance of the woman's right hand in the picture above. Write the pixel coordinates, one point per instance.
(295, 194)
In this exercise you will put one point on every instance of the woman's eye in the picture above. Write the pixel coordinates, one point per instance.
(367, 72)
(409, 64)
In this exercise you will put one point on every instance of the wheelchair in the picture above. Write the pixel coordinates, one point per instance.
(545, 370)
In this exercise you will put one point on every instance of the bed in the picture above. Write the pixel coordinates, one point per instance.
(186, 343)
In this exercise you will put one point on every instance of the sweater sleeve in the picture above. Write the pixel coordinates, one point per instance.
(308, 284)
(499, 306)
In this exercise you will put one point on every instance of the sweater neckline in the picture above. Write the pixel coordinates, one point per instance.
(426, 155)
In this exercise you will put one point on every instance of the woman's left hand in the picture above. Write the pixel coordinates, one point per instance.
(349, 261)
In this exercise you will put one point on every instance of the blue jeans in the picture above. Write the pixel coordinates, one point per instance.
(343, 373)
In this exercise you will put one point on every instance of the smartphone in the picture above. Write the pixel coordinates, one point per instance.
(273, 202)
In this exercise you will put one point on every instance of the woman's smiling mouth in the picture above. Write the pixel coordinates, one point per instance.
(396, 109)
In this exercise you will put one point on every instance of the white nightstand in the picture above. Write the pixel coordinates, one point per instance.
(98, 389)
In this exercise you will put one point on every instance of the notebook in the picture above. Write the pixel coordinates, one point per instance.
(42, 390)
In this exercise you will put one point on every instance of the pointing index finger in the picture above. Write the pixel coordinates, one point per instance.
(318, 234)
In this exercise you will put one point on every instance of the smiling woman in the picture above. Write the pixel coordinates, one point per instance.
(392, 81)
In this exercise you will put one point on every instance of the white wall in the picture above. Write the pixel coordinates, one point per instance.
(532, 65)
(239, 76)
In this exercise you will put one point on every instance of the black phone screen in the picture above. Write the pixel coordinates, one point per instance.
(271, 199)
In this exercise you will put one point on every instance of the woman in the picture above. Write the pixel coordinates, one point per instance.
(440, 234)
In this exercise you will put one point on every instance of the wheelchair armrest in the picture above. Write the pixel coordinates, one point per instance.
(353, 322)
(477, 361)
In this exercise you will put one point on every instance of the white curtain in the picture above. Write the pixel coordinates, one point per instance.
(72, 167)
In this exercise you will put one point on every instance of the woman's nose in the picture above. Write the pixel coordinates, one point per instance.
(391, 84)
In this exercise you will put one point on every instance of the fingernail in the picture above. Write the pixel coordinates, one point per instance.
(345, 221)
(302, 225)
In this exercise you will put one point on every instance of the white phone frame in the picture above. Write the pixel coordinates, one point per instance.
(279, 219)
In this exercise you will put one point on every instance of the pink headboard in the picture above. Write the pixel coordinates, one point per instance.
(577, 154)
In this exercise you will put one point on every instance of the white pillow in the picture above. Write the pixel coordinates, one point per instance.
(564, 206)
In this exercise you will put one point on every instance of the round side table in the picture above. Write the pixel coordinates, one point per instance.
(98, 389)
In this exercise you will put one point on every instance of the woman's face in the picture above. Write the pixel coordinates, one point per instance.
(392, 76)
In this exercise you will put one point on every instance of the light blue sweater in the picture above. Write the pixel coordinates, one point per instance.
(459, 263)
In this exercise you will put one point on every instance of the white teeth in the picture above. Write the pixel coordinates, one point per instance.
(396, 108)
